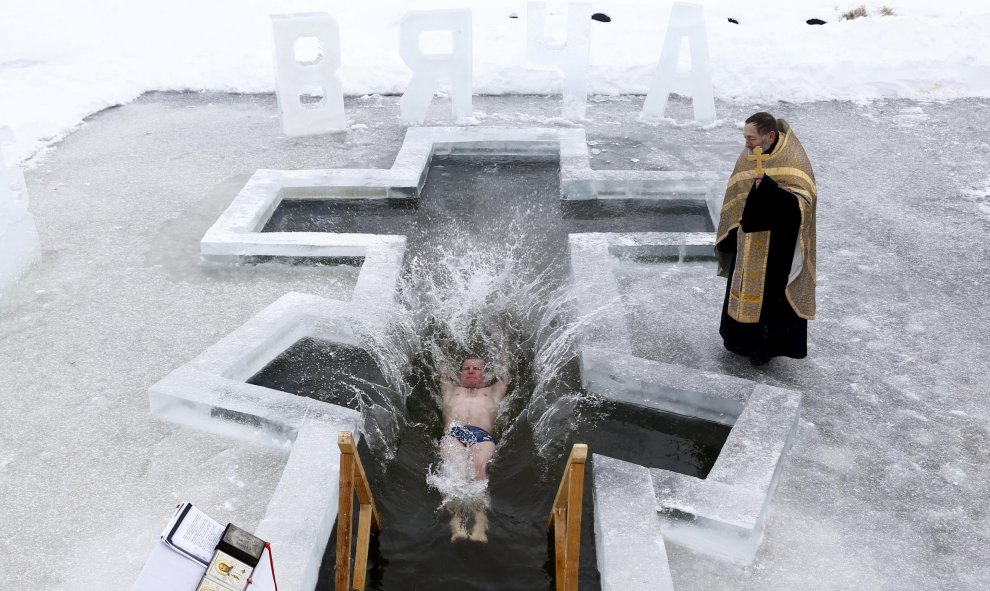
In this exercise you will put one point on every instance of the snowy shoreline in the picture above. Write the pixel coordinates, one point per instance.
(61, 62)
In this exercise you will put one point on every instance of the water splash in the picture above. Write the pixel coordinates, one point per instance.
(485, 276)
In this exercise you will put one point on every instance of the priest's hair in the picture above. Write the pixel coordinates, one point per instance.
(765, 122)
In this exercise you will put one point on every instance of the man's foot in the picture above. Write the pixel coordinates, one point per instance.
(479, 533)
(457, 531)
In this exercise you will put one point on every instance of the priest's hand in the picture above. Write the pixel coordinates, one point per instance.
(757, 180)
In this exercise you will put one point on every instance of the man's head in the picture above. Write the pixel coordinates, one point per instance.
(760, 130)
(472, 373)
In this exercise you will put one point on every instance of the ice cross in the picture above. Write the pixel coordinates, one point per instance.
(238, 234)
(760, 158)
(212, 392)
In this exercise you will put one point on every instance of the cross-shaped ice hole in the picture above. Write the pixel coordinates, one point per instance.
(240, 231)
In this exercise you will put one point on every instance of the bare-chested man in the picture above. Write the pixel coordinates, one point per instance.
(469, 411)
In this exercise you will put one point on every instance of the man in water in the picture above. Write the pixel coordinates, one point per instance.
(766, 245)
(469, 411)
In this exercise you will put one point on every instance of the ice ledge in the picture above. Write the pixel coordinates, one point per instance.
(20, 247)
(210, 393)
(597, 295)
(722, 515)
(19, 243)
(630, 549)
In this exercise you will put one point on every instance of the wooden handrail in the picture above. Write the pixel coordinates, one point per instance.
(353, 480)
(565, 519)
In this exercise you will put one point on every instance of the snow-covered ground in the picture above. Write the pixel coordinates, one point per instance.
(61, 61)
(886, 485)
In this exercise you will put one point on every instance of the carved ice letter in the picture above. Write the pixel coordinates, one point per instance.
(299, 82)
(571, 58)
(686, 21)
(430, 69)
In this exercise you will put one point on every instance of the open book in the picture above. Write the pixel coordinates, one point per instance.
(193, 534)
(188, 543)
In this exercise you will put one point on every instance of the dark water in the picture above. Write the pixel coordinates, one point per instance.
(413, 551)
(499, 209)
(467, 177)
(324, 371)
(636, 215)
(345, 216)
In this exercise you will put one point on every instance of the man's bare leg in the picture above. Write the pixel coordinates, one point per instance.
(481, 453)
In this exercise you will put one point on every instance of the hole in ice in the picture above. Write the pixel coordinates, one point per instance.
(325, 371)
(343, 216)
(657, 439)
(637, 215)
(304, 261)
(414, 551)
(480, 241)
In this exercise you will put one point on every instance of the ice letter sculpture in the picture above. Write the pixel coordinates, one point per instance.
(686, 20)
(296, 79)
(571, 58)
(430, 69)
(18, 237)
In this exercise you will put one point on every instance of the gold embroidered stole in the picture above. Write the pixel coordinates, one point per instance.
(789, 166)
(749, 277)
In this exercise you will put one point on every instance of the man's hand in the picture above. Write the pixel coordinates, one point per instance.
(501, 371)
(757, 180)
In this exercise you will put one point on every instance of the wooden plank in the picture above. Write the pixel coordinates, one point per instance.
(361, 553)
(559, 545)
(575, 497)
(578, 455)
(558, 500)
(364, 494)
(345, 512)
(345, 440)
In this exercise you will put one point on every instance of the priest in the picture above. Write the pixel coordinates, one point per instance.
(765, 245)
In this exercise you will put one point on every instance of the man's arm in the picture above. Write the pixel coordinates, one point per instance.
(501, 385)
(499, 388)
(447, 387)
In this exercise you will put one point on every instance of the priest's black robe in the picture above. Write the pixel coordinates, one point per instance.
(779, 331)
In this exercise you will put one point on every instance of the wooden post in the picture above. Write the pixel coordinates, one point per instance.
(565, 519)
(345, 512)
(363, 539)
(575, 496)
(560, 547)
(353, 480)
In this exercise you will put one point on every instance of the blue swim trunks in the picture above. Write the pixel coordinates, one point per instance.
(469, 434)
